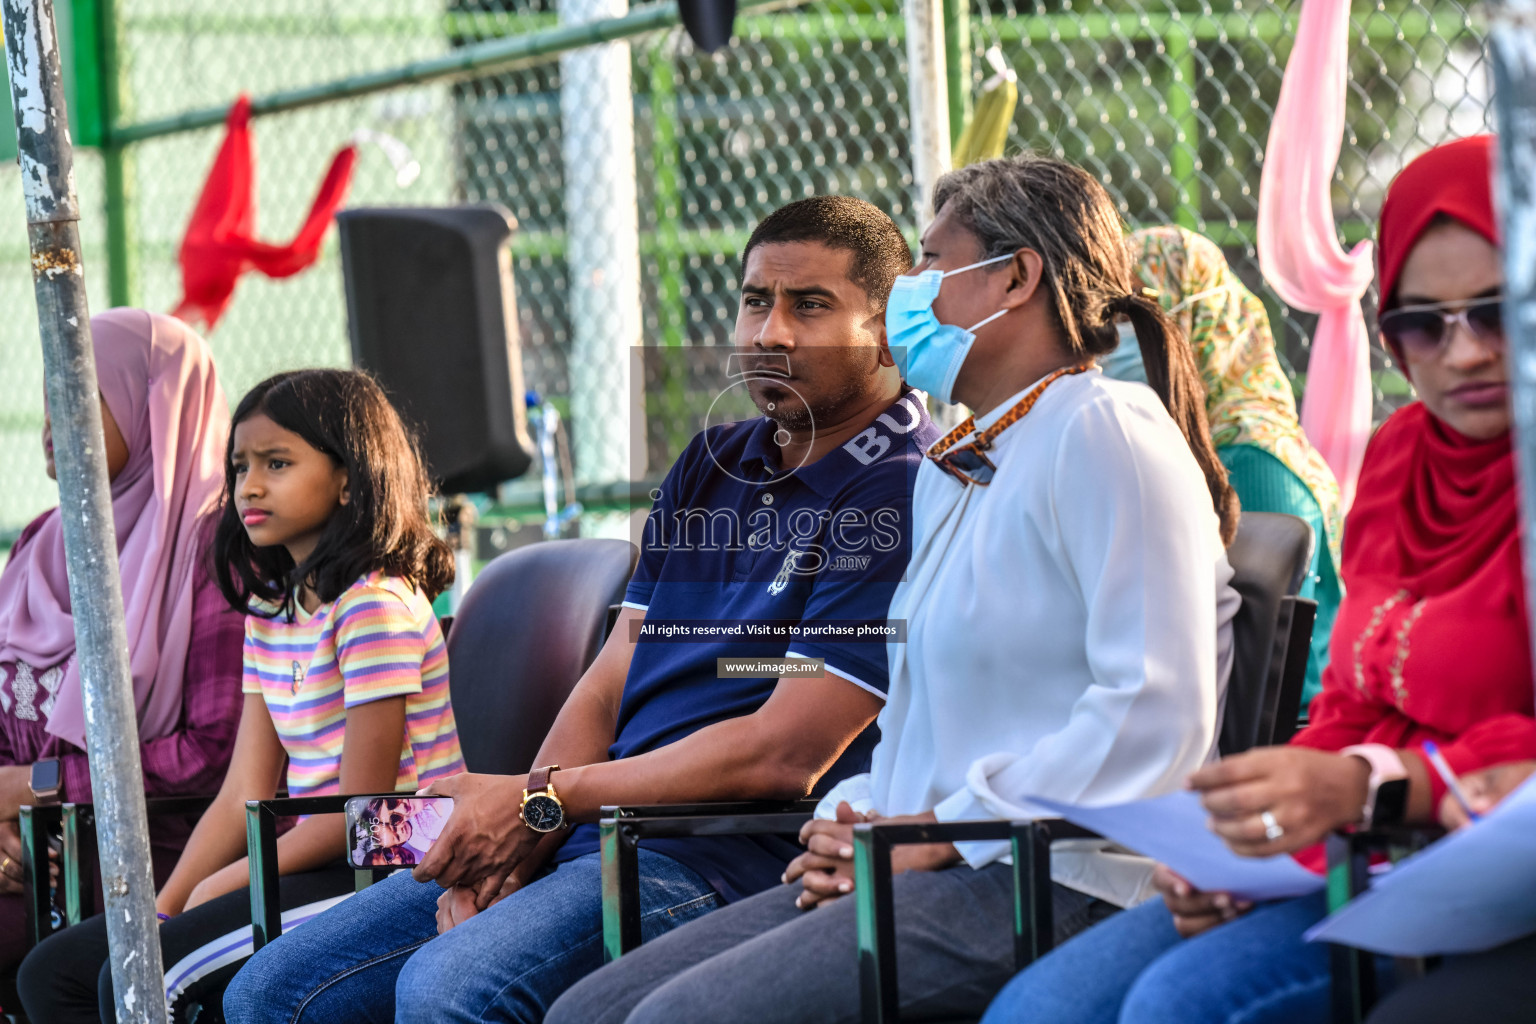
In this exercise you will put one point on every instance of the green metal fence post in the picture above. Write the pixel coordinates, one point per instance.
(1183, 111)
(87, 118)
(122, 276)
(666, 166)
(957, 64)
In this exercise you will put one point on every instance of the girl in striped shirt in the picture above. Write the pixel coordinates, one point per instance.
(324, 540)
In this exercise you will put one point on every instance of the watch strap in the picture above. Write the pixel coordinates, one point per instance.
(1386, 766)
(538, 779)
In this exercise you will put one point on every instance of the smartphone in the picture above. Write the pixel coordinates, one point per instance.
(394, 831)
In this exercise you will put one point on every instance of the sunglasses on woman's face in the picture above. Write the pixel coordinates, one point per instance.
(1421, 332)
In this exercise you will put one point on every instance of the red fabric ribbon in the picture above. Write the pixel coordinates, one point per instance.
(220, 243)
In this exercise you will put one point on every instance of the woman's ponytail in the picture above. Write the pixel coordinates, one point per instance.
(1172, 373)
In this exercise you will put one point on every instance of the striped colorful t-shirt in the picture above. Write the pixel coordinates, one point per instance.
(378, 639)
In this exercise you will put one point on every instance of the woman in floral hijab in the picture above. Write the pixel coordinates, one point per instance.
(1249, 402)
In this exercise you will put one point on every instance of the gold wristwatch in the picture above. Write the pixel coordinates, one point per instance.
(541, 809)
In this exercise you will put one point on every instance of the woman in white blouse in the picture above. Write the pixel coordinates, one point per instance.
(1067, 610)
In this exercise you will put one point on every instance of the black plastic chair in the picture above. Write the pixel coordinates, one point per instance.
(524, 634)
(1272, 634)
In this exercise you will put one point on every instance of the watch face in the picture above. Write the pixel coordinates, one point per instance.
(543, 813)
(45, 776)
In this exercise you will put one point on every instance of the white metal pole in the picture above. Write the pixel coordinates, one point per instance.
(1512, 47)
(928, 103)
(928, 98)
(85, 509)
(603, 245)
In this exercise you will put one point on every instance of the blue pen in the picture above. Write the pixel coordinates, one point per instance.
(1452, 783)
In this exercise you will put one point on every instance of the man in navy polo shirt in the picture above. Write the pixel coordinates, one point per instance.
(780, 537)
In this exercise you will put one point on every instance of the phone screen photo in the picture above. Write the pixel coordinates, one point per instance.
(394, 831)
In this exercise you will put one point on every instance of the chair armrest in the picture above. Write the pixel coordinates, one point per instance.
(159, 806)
(162, 806)
(36, 823)
(1350, 854)
(872, 847)
(620, 830)
(1033, 904)
(1353, 971)
(711, 810)
(75, 824)
(261, 848)
(75, 827)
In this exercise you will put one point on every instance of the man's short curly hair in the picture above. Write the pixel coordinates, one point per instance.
(880, 252)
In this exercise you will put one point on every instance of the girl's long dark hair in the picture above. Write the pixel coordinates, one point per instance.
(1062, 212)
(385, 523)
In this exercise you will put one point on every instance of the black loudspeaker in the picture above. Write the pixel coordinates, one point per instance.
(709, 22)
(433, 316)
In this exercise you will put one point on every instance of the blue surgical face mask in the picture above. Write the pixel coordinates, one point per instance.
(929, 354)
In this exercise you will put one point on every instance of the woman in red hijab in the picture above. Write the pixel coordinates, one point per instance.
(1499, 985)
(1430, 645)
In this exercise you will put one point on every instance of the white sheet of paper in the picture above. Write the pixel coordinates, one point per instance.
(1473, 890)
(1172, 829)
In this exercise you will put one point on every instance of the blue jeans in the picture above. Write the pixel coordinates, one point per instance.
(378, 957)
(1134, 969)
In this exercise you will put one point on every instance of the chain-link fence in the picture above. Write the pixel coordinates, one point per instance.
(1168, 102)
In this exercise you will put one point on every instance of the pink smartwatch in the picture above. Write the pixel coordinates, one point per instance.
(1386, 796)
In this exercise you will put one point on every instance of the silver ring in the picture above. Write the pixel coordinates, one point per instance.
(1272, 829)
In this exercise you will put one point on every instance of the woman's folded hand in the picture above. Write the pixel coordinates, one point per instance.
(1195, 911)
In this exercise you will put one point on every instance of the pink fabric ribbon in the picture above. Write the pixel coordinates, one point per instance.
(1299, 249)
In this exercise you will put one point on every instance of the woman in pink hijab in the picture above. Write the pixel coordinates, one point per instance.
(166, 421)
